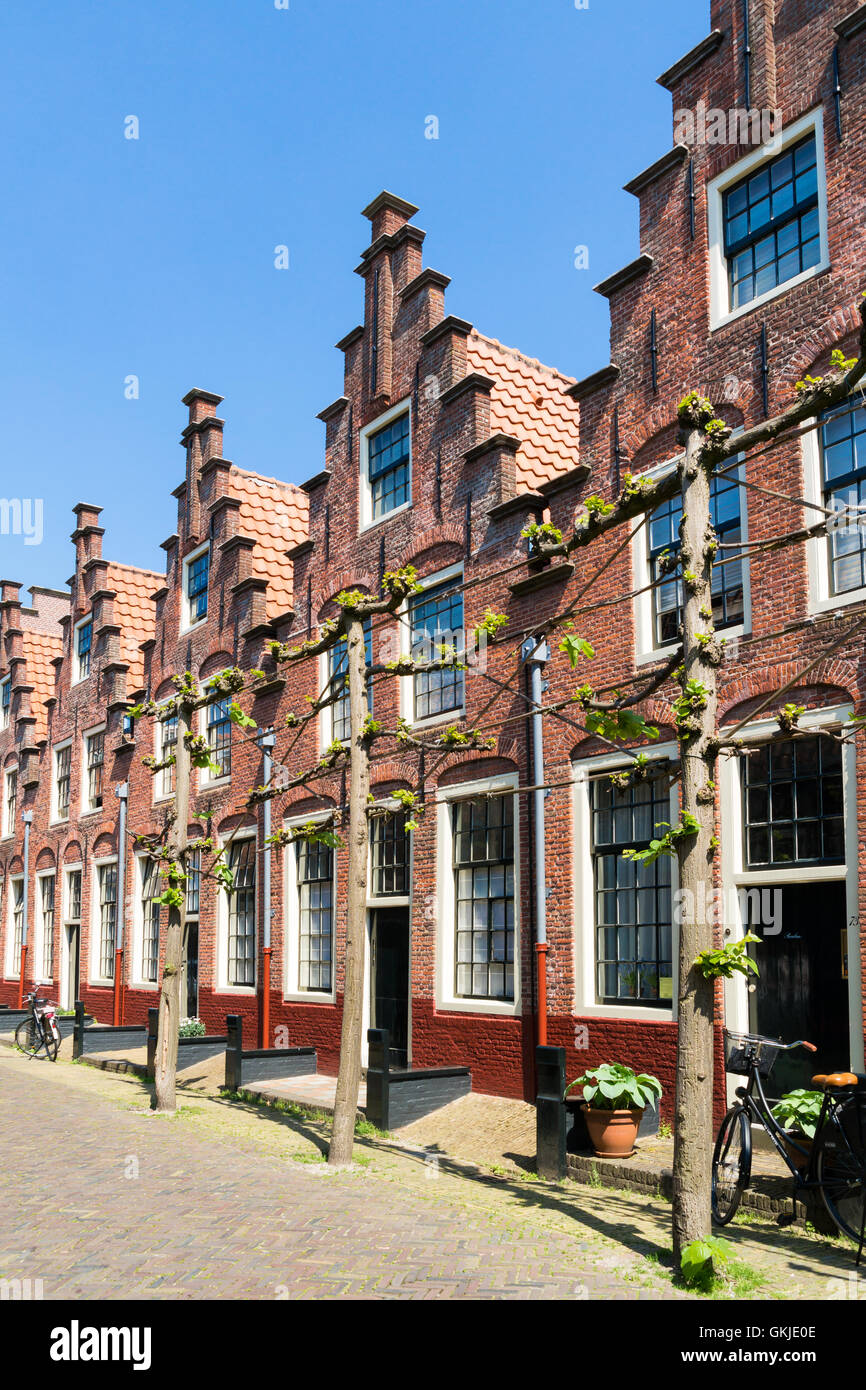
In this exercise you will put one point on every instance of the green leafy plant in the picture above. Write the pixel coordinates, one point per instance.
(619, 724)
(667, 843)
(191, 1028)
(613, 1086)
(727, 961)
(799, 1111)
(491, 623)
(702, 1260)
(575, 648)
(538, 531)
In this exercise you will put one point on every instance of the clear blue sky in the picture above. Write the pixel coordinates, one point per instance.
(262, 126)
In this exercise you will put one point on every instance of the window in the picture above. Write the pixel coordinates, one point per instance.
(10, 802)
(94, 753)
(62, 772)
(5, 702)
(73, 896)
(196, 575)
(436, 620)
(632, 901)
(389, 856)
(83, 649)
(388, 476)
(46, 904)
(793, 809)
(193, 883)
(151, 888)
(772, 228)
(315, 902)
(107, 878)
(167, 735)
(339, 659)
(483, 839)
(242, 914)
(728, 578)
(843, 477)
(17, 906)
(219, 738)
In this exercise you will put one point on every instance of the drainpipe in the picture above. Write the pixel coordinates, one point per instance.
(267, 743)
(27, 819)
(122, 793)
(537, 654)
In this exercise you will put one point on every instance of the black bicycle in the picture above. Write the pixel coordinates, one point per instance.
(39, 1032)
(834, 1162)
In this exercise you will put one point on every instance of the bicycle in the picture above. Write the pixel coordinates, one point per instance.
(835, 1161)
(39, 1031)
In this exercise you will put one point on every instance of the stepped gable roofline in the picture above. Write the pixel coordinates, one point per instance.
(605, 376)
(853, 23)
(672, 75)
(657, 170)
(274, 515)
(621, 278)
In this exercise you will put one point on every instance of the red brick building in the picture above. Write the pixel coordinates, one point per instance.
(441, 448)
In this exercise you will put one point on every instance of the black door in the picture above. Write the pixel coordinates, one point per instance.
(389, 966)
(190, 970)
(802, 990)
(74, 965)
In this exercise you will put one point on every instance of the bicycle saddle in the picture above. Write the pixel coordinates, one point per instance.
(836, 1078)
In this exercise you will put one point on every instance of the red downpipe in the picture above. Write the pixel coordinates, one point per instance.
(541, 948)
(21, 976)
(266, 998)
(118, 987)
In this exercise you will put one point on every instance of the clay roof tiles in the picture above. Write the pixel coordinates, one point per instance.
(275, 515)
(40, 649)
(134, 613)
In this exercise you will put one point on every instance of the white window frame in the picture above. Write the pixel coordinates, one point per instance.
(646, 652)
(77, 677)
(157, 753)
(326, 719)
(292, 898)
(222, 960)
(720, 310)
(446, 998)
(187, 623)
(56, 818)
(9, 830)
(94, 962)
(137, 979)
(39, 920)
(407, 683)
(821, 600)
(86, 808)
(399, 899)
(365, 499)
(584, 771)
(5, 714)
(735, 875)
(205, 780)
(66, 922)
(13, 967)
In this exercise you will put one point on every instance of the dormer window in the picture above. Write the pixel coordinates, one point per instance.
(386, 466)
(5, 702)
(196, 571)
(83, 649)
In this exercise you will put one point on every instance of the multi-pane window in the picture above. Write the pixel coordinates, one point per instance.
(10, 802)
(340, 682)
(83, 649)
(5, 702)
(219, 737)
(193, 882)
(727, 581)
(95, 759)
(17, 922)
(632, 900)
(73, 896)
(167, 749)
(388, 467)
(436, 617)
(772, 227)
(62, 773)
(793, 809)
(389, 856)
(315, 915)
(107, 879)
(46, 904)
(197, 573)
(843, 462)
(483, 837)
(242, 914)
(151, 889)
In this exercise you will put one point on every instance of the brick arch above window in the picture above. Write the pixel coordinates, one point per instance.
(300, 803)
(449, 535)
(73, 852)
(103, 845)
(832, 333)
(388, 774)
(235, 825)
(656, 712)
(733, 395)
(15, 866)
(45, 859)
(11, 760)
(830, 684)
(165, 689)
(476, 769)
(217, 661)
(335, 584)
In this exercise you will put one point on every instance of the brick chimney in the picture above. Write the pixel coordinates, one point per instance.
(87, 538)
(389, 263)
(202, 439)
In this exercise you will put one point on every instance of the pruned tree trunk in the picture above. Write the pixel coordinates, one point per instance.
(349, 1075)
(165, 1064)
(693, 1131)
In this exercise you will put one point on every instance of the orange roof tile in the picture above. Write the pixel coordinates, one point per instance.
(528, 400)
(134, 613)
(40, 649)
(275, 515)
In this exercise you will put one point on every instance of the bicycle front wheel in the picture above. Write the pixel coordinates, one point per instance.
(840, 1167)
(51, 1043)
(27, 1035)
(732, 1164)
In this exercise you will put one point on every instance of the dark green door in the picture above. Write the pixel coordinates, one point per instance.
(802, 990)
(189, 991)
(389, 973)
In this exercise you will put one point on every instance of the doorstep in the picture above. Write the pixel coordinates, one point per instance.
(313, 1092)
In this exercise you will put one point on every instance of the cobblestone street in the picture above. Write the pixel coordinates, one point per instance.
(103, 1200)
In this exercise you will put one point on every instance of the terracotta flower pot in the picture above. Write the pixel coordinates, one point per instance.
(613, 1132)
(800, 1161)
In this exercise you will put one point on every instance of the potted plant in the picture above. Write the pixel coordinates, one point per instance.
(615, 1099)
(191, 1028)
(798, 1113)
